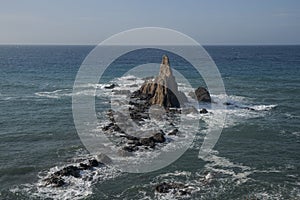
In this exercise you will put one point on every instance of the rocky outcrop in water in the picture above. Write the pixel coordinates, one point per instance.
(201, 94)
(177, 188)
(133, 142)
(163, 90)
(57, 178)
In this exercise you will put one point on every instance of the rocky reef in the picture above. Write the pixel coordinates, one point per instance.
(160, 94)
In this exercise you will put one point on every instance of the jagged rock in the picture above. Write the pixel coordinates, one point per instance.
(129, 137)
(159, 137)
(164, 187)
(69, 171)
(201, 94)
(130, 148)
(55, 181)
(173, 132)
(84, 166)
(163, 90)
(93, 163)
(203, 111)
(112, 127)
(110, 114)
(148, 142)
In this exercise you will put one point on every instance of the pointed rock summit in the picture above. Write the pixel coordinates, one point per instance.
(163, 90)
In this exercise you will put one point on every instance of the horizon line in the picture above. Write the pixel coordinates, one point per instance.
(206, 44)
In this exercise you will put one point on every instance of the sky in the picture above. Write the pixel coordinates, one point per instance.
(215, 22)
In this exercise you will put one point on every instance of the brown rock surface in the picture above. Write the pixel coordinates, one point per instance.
(163, 90)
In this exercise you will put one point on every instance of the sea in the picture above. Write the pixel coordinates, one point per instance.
(257, 155)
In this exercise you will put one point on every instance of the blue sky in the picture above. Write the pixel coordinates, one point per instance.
(208, 22)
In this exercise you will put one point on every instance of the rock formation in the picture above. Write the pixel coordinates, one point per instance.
(163, 90)
(201, 94)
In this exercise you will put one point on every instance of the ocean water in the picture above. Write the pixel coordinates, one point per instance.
(256, 157)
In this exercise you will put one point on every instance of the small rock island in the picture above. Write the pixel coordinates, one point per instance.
(163, 91)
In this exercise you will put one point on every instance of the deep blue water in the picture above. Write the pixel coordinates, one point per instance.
(256, 157)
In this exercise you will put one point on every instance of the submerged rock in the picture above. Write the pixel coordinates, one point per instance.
(173, 132)
(55, 181)
(203, 111)
(179, 188)
(112, 86)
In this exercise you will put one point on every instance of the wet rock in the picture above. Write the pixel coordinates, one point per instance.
(163, 90)
(203, 111)
(129, 137)
(201, 94)
(148, 142)
(84, 166)
(69, 171)
(227, 104)
(130, 148)
(110, 114)
(112, 127)
(93, 162)
(173, 132)
(159, 137)
(248, 108)
(134, 142)
(55, 181)
(164, 187)
(236, 106)
(111, 86)
(108, 127)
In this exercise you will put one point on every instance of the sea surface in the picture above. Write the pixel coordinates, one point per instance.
(256, 157)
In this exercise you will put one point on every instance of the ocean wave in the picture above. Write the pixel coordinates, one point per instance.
(56, 94)
(263, 107)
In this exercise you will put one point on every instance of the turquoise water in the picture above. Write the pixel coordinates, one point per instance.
(256, 157)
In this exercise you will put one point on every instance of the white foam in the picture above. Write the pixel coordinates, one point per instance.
(263, 107)
(75, 188)
(296, 133)
(56, 94)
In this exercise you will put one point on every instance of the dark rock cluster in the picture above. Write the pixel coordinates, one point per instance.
(177, 188)
(57, 178)
(134, 142)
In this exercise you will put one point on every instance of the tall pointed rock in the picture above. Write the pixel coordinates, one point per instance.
(163, 90)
